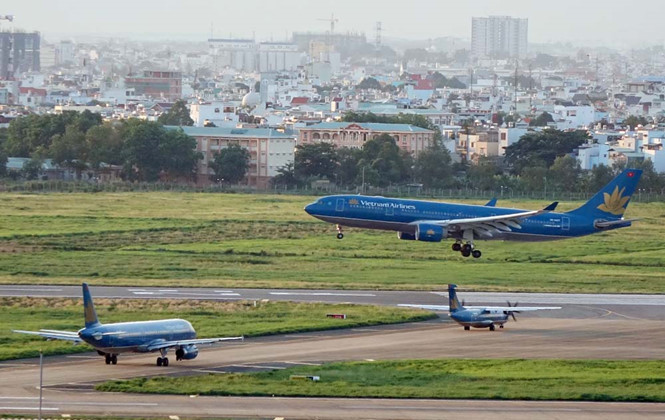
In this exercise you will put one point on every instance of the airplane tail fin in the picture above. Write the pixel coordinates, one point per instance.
(453, 302)
(89, 308)
(612, 200)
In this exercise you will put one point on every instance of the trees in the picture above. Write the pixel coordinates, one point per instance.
(70, 149)
(542, 120)
(347, 170)
(316, 160)
(105, 144)
(230, 164)
(177, 115)
(34, 133)
(433, 167)
(178, 154)
(386, 162)
(286, 176)
(541, 149)
(635, 120)
(369, 83)
(3, 154)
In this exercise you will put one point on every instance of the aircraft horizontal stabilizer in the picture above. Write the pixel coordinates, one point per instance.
(54, 335)
(610, 223)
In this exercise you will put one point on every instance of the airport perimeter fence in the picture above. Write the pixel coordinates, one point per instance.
(53, 186)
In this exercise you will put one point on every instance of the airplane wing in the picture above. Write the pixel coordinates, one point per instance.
(515, 308)
(489, 308)
(489, 225)
(54, 335)
(158, 345)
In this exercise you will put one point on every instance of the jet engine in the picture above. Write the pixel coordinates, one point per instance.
(429, 232)
(406, 236)
(187, 353)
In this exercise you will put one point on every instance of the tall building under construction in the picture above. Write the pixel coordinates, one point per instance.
(19, 53)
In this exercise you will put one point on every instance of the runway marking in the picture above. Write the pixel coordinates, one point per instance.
(304, 363)
(30, 408)
(132, 404)
(13, 289)
(175, 294)
(259, 367)
(19, 398)
(82, 357)
(321, 294)
(413, 407)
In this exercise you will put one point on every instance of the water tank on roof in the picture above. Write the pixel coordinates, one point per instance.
(251, 99)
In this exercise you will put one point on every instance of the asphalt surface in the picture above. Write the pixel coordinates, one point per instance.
(575, 305)
(589, 327)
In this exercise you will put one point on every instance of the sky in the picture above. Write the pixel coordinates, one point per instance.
(599, 22)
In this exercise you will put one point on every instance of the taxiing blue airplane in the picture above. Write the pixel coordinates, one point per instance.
(435, 221)
(139, 337)
(479, 316)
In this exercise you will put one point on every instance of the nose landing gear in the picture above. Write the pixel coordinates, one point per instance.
(340, 234)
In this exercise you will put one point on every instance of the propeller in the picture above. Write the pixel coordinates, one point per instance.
(512, 313)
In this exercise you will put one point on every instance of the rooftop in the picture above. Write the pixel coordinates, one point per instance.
(369, 126)
(269, 133)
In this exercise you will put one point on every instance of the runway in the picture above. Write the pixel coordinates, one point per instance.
(69, 379)
(603, 326)
(575, 305)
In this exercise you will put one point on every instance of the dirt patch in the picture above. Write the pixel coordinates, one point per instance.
(14, 248)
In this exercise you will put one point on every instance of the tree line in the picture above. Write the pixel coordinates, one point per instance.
(146, 151)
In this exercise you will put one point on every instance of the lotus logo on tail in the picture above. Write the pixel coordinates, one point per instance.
(615, 203)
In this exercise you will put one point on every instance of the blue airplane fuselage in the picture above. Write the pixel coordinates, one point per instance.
(404, 216)
(126, 337)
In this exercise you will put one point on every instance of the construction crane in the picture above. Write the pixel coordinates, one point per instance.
(332, 21)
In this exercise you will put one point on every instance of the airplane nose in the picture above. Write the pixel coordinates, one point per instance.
(309, 208)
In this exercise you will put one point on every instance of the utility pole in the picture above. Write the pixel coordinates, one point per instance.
(515, 89)
(41, 381)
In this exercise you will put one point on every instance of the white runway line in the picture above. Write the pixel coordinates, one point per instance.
(15, 289)
(321, 294)
(30, 408)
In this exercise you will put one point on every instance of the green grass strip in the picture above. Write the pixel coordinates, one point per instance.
(209, 318)
(583, 380)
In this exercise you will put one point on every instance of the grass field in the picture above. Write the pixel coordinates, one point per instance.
(237, 240)
(598, 380)
(209, 318)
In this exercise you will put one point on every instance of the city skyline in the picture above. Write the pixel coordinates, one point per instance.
(591, 22)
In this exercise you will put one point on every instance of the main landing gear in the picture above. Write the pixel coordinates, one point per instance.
(163, 360)
(340, 234)
(467, 249)
(111, 359)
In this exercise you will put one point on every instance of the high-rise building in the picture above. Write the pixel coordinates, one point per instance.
(166, 85)
(499, 37)
(19, 53)
(248, 55)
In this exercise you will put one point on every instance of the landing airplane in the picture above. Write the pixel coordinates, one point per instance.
(479, 316)
(139, 337)
(434, 221)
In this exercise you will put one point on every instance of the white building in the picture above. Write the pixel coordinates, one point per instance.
(222, 114)
(499, 37)
(248, 55)
(590, 155)
(567, 117)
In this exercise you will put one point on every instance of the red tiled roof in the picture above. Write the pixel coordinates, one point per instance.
(299, 100)
(34, 91)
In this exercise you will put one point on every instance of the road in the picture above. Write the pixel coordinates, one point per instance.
(589, 327)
